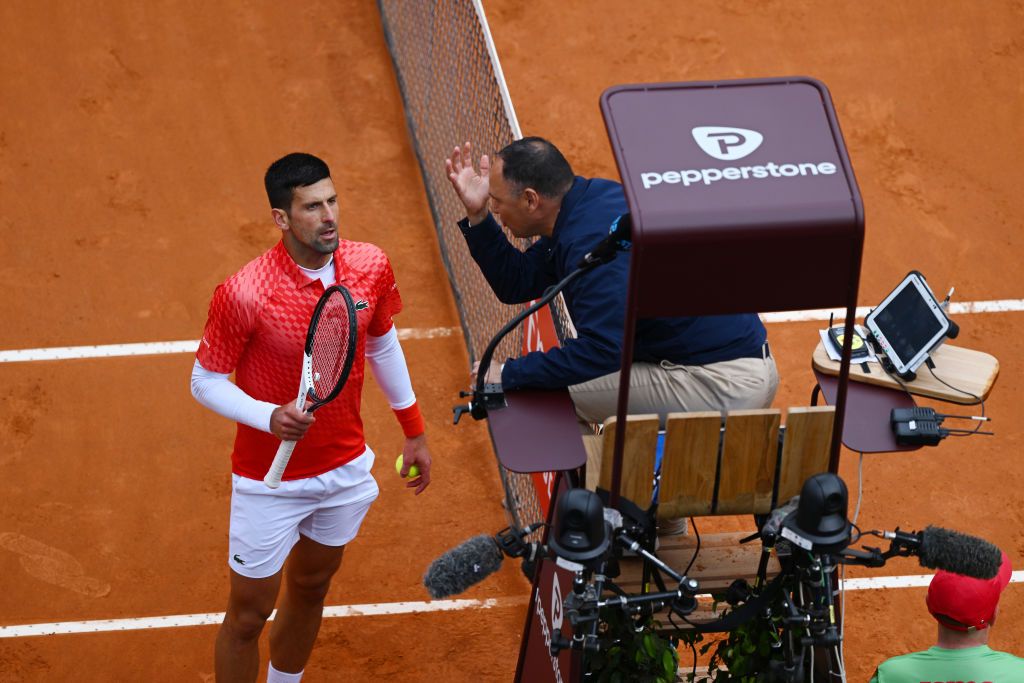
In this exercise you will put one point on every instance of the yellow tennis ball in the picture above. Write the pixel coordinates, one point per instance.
(413, 471)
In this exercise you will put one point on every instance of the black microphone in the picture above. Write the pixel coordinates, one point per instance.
(463, 566)
(939, 548)
(619, 235)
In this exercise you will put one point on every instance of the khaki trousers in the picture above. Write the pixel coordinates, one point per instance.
(665, 387)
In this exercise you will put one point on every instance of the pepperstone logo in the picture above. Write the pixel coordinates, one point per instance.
(707, 176)
(556, 604)
(727, 144)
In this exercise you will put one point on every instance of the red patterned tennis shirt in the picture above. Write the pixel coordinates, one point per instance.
(257, 327)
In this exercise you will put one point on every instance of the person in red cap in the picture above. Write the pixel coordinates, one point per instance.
(965, 609)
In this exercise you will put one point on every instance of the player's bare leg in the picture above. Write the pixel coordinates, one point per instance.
(237, 657)
(307, 577)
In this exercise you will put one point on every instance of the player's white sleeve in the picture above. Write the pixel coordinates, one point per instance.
(218, 393)
(387, 362)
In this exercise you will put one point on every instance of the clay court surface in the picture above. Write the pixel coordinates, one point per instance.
(133, 139)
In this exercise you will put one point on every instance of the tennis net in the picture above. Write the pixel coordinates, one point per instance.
(453, 90)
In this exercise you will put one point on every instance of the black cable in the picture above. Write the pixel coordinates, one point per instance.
(693, 645)
(672, 613)
(906, 389)
(696, 551)
(962, 391)
(965, 393)
(949, 432)
(964, 432)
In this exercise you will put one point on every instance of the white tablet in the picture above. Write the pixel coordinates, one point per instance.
(908, 324)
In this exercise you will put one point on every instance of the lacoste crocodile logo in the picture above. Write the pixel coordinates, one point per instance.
(239, 560)
(362, 304)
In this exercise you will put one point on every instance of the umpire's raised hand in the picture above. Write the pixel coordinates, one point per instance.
(472, 188)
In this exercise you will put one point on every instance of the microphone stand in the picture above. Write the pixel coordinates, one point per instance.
(902, 544)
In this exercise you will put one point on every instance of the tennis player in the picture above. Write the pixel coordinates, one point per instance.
(256, 328)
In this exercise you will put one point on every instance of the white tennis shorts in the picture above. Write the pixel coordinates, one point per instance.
(266, 522)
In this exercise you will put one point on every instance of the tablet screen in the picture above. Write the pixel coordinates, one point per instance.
(908, 323)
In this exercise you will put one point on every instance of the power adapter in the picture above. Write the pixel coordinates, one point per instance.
(917, 426)
(925, 414)
(916, 413)
(918, 433)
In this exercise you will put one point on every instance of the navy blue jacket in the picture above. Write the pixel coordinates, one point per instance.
(596, 300)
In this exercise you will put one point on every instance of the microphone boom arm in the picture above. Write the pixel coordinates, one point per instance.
(490, 396)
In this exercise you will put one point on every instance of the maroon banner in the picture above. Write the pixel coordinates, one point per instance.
(546, 617)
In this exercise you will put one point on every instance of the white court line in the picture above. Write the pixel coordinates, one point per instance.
(375, 609)
(997, 306)
(157, 348)
(917, 581)
(213, 618)
(190, 346)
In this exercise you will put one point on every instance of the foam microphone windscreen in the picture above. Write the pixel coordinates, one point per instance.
(462, 567)
(959, 553)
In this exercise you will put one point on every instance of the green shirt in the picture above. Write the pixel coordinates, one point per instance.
(937, 665)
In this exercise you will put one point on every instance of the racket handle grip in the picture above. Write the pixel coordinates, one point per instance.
(284, 454)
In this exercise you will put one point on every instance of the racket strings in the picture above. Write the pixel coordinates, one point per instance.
(330, 346)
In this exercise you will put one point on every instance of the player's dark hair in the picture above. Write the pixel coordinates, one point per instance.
(535, 162)
(294, 170)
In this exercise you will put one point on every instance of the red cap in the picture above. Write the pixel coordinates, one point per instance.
(965, 604)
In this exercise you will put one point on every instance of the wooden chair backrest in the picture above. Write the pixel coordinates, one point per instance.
(712, 466)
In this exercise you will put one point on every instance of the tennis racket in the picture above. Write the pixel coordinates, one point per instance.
(327, 360)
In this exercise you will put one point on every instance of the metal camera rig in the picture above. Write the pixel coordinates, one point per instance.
(810, 535)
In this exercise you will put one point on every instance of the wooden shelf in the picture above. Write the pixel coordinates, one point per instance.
(971, 371)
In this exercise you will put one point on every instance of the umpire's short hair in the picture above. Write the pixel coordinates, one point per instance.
(294, 170)
(535, 162)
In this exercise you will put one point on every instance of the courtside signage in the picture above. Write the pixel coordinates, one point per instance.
(731, 144)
